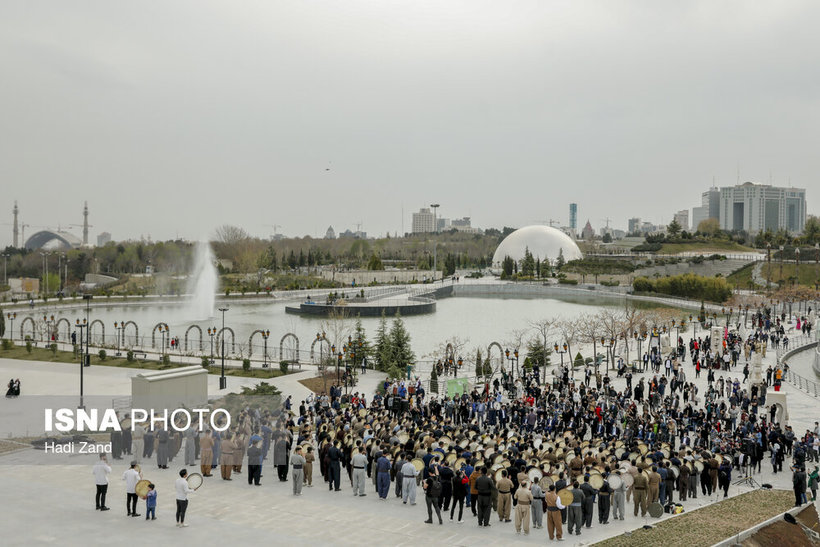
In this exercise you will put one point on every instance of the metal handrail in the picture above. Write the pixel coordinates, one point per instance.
(803, 384)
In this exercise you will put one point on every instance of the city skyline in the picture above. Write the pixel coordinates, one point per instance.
(309, 116)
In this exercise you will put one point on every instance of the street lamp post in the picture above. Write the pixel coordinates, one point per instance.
(768, 264)
(562, 352)
(12, 316)
(49, 323)
(81, 325)
(513, 362)
(223, 382)
(87, 298)
(781, 265)
(640, 338)
(117, 328)
(607, 345)
(797, 266)
(265, 336)
(211, 334)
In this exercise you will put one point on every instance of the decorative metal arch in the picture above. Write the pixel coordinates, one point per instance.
(23, 324)
(154, 333)
(250, 341)
(91, 329)
(136, 332)
(200, 336)
(282, 345)
(59, 322)
(319, 340)
(501, 358)
(219, 340)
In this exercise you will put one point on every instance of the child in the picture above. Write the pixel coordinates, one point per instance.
(151, 502)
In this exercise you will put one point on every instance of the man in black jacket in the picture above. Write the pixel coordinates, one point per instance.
(484, 485)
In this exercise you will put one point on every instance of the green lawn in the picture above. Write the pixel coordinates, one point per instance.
(42, 354)
(809, 273)
(706, 247)
(742, 278)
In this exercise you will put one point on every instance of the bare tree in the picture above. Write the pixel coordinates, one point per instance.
(570, 332)
(591, 332)
(613, 326)
(230, 235)
(543, 329)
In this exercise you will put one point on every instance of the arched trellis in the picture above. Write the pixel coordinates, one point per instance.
(23, 325)
(59, 322)
(219, 340)
(500, 356)
(250, 340)
(282, 345)
(319, 341)
(91, 329)
(200, 336)
(136, 332)
(154, 332)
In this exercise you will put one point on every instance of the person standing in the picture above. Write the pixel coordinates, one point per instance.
(190, 445)
(603, 503)
(297, 462)
(280, 455)
(554, 506)
(460, 485)
(814, 478)
(432, 492)
(383, 476)
(618, 499)
(183, 489)
(504, 486)
(725, 476)
(137, 441)
(799, 486)
(309, 459)
(335, 466)
(226, 457)
(359, 464)
(254, 461)
(537, 507)
(408, 487)
(639, 493)
(589, 501)
(485, 487)
(575, 514)
(162, 448)
(524, 499)
(131, 478)
(101, 471)
(206, 453)
(446, 476)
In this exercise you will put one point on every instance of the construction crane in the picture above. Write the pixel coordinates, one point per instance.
(549, 222)
(274, 226)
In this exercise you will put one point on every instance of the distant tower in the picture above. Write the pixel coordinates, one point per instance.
(573, 217)
(16, 211)
(85, 224)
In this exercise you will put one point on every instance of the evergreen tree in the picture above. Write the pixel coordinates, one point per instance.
(507, 265)
(383, 348)
(2, 324)
(527, 263)
(579, 361)
(363, 350)
(479, 364)
(537, 353)
(434, 381)
(560, 261)
(401, 352)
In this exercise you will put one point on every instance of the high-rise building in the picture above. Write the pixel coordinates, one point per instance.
(758, 207)
(634, 225)
(424, 221)
(103, 238)
(573, 217)
(682, 218)
(85, 224)
(709, 207)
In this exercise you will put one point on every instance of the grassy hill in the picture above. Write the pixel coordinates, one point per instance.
(706, 247)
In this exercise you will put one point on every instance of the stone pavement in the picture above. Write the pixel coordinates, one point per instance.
(47, 498)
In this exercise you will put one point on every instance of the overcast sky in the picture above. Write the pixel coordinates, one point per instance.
(174, 117)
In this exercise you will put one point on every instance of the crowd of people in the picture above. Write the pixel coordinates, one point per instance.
(538, 450)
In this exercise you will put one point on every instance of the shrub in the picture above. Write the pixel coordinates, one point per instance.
(714, 289)
(565, 281)
(283, 366)
(102, 355)
(7, 344)
(246, 364)
(206, 362)
(53, 348)
(28, 346)
(129, 356)
(610, 283)
(166, 360)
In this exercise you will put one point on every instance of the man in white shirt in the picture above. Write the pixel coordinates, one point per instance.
(183, 490)
(131, 478)
(100, 472)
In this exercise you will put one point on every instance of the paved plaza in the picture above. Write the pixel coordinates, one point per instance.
(48, 499)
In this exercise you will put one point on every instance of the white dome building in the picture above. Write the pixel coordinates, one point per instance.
(544, 242)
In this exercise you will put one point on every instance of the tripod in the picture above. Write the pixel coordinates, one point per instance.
(748, 479)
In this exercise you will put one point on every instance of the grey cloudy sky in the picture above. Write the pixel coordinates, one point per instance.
(173, 117)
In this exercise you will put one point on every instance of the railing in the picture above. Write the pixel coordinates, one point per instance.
(796, 343)
(803, 384)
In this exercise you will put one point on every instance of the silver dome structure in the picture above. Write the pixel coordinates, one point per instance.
(544, 242)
